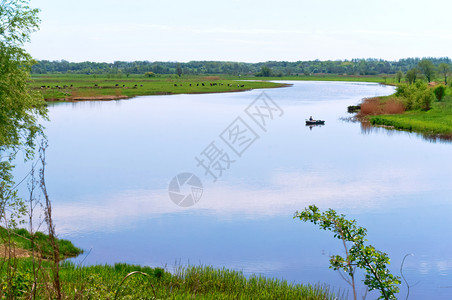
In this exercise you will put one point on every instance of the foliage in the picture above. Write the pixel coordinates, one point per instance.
(20, 284)
(265, 72)
(427, 68)
(444, 69)
(358, 255)
(439, 91)
(178, 70)
(149, 74)
(20, 107)
(399, 76)
(354, 67)
(415, 96)
(411, 75)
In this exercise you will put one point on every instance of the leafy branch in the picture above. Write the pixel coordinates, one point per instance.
(359, 255)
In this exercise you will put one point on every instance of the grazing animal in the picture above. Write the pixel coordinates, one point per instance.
(135, 85)
(190, 84)
(43, 86)
(123, 85)
(197, 84)
(203, 84)
(116, 84)
(175, 84)
(242, 85)
(95, 84)
(48, 86)
(141, 85)
(71, 85)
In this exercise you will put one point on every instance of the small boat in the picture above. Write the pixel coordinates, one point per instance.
(315, 122)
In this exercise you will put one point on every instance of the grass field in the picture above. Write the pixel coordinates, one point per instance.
(96, 87)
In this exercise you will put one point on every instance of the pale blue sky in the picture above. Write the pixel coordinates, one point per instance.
(248, 31)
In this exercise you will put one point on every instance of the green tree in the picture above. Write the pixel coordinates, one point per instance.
(411, 75)
(427, 68)
(20, 107)
(444, 69)
(265, 72)
(358, 254)
(399, 76)
(178, 70)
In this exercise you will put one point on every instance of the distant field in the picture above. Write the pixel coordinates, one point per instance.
(388, 79)
(97, 87)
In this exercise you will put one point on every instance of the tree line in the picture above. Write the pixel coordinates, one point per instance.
(269, 68)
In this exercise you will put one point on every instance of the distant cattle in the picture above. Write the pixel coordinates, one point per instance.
(116, 84)
(202, 84)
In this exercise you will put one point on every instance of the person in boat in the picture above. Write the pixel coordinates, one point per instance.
(311, 119)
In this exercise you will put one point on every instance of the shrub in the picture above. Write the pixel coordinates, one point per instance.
(439, 91)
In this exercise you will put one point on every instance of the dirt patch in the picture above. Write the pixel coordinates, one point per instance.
(90, 98)
(211, 78)
(15, 252)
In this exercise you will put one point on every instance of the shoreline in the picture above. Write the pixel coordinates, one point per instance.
(112, 97)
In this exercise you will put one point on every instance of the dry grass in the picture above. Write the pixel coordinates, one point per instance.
(379, 106)
(211, 78)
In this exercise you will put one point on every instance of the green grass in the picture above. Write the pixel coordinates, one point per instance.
(435, 122)
(73, 87)
(21, 238)
(104, 282)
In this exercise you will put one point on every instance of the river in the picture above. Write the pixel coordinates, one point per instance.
(110, 165)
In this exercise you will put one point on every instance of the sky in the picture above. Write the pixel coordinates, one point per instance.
(245, 31)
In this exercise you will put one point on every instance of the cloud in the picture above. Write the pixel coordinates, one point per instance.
(286, 193)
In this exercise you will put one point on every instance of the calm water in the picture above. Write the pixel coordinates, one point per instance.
(110, 163)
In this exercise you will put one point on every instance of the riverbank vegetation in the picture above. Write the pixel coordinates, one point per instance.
(423, 103)
(125, 281)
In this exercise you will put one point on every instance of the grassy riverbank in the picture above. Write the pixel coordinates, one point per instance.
(435, 122)
(59, 87)
(412, 108)
(23, 244)
(109, 282)
(24, 273)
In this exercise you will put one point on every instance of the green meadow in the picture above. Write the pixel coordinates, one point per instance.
(102, 87)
